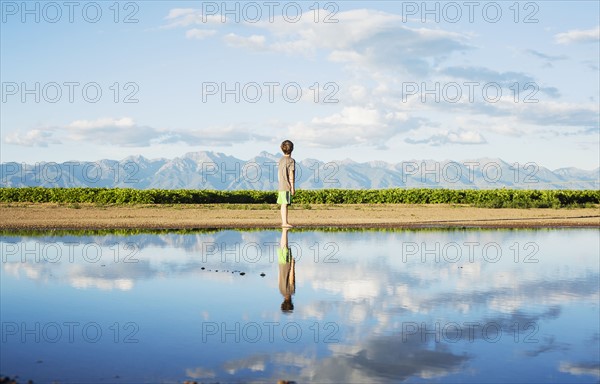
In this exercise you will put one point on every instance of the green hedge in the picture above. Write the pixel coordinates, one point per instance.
(496, 198)
(133, 196)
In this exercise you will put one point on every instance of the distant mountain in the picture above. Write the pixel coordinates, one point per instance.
(212, 170)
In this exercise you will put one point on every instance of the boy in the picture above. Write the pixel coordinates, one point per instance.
(286, 172)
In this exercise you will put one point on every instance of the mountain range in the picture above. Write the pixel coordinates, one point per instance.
(218, 171)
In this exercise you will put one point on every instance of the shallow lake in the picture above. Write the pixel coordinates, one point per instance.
(305, 306)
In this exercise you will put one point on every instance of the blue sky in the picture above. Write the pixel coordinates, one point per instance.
(529, 91)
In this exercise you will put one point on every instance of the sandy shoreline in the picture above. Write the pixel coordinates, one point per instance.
(25, 216)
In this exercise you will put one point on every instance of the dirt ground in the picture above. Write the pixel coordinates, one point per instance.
(80, 216)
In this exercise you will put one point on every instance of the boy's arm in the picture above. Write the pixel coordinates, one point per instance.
(292, 182)
(292, 276)
(292, 178)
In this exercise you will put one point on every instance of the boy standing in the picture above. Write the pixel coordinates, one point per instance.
(286, 172)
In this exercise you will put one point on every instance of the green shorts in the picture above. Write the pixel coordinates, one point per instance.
(284, 255)
(284, 197)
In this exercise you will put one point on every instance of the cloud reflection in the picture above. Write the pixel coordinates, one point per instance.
(377, 360)
(582, 368)
(369, 289)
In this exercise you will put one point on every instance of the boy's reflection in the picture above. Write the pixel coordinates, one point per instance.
(287, 278)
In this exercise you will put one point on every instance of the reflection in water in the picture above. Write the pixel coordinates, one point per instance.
(287, 272)
(446, 306)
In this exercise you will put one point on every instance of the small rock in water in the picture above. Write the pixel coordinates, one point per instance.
(262, 274)
(203, 268)
(242, 273)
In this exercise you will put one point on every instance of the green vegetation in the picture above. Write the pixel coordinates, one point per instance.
(105, 196)
(194, 231)
(106, 232)
(496, 198)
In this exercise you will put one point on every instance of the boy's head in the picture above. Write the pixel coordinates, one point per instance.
(287, 147)
(287, 306)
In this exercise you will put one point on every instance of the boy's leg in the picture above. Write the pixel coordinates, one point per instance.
(284, 215)
(284, 199)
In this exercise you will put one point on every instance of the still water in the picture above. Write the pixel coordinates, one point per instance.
(305, 306)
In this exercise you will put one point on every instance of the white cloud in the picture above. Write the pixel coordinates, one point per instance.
(251, 42)
(353, 125)
(344, 56)
(103, 122)
(219, 135)
(199, 34)
(450, 137)
(483, 76)
(366, 37)
(505, 125)
(32, 138)
(352, 116)
(578, 36)
(176, 13)
(358, 93)
(121, 132)
(552, 113)
(545, 56)
(465, 137)
(360, 36)
(184, 17)
(125, 132)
